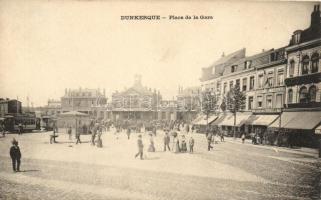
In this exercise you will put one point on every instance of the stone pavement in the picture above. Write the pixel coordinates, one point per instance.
(231, 171)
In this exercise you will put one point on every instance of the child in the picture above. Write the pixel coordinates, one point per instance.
(15, 155)
(191, 145)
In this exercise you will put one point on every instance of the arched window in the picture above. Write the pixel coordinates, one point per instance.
(305, 65)
(303, 95)
(291, 69)
(290, 96)
(312, 93)
(315, 63)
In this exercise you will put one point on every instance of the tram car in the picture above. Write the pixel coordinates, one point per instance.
(28, 121)
(47, 122)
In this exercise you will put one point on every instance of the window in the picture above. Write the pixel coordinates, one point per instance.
(290, 96)
(244, 84)
(280, 78)
(303, 95)
(269, 80)
(233, 68)
(250, 103)
(315, 63)
(259, 101)
(260, 81)
(231, 84)
(291, 69)
(237, 83)
(251, 82)
(224, 87)
(305, 65)
(269, 101)
(312, 93)
(278, 102)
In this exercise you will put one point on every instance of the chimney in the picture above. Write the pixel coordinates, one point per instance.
(223, 54)
(315, 17)
(263, 50)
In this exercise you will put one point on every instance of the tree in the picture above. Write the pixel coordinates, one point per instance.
(235, 100)
(208, 102)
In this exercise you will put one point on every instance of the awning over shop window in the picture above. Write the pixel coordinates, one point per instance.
(204, 121)
(298, 120)
(261, 120)
(318, 130)
(228, 119)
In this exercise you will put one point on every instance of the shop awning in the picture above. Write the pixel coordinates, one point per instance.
(298, 120)
(304, 120)
(197, 119)
(204, 121)
(261, 120)
(228, 119)
(318, 130)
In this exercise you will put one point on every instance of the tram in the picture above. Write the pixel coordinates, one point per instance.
(28, 122)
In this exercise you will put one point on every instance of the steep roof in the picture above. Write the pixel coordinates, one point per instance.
(220, 64)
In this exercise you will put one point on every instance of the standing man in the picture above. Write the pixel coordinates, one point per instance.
(15, 155)
(209, 141)
(191, 145)
(128, 133)
(167, 140)
(77, 136)
(69, 132)
(140, 147)
(20, 127)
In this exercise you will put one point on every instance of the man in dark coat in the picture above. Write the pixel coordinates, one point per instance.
(209, 141)
(166, 141)
(140, 147)
(15, 155)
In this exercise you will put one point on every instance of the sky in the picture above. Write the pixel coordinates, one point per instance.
(47, 46)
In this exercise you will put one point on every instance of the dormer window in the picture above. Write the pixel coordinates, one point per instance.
(233, 68)
(297, 37)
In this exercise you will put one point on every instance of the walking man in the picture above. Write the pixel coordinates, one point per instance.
(140, 147)
(20, 127)
(15, 155)
(167, 140)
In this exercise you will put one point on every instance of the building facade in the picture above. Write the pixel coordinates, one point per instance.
(188, 103)
(83, 100)
(9, 106)
(280, 86)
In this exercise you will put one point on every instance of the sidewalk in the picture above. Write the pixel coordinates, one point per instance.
(299, 150)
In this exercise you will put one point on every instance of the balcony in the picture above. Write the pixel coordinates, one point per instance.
(304, 79)
(267, 110)
(304, 105)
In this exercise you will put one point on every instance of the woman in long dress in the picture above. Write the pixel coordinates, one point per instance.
(183, 144)
(176, 143)
(151, 147)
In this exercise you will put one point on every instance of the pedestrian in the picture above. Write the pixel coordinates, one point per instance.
(20, 128)
(77, 137)
(222, 136)
(69, 132)
(183, 144)
(128, 133)
(209, 141)
(151, 147)
(176, 143)
(140, 146)
(15, 155)
(191, 144)
(166, 141)
(243, 138)
(193, 127)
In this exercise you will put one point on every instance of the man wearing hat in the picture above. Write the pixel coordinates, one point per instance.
(15, 155)
(140, 147)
